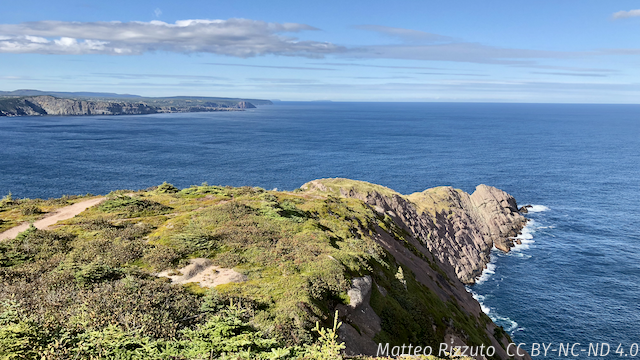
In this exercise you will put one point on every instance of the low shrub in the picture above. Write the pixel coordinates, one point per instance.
(166, 188)
(133, 207)
(31, 210)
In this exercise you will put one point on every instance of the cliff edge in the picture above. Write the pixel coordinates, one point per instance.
(458, 228)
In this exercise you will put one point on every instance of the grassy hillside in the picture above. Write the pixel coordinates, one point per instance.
(88, 288)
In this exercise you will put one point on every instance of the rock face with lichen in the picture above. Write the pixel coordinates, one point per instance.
(458, 228)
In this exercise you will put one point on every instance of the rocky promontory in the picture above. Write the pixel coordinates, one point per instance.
(50, 105)
(206, 271)
(458, 228)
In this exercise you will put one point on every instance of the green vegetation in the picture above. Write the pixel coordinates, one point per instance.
(334, 186)
(16, 211)
(88, 289)
(434, 200)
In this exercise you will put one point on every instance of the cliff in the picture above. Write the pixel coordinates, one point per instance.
(49, 105)
(458, 228)
(153, 270)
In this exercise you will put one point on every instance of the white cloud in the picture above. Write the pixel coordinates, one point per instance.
(35, 39)
(157, 12)
(66, 42)
(248, 38)
(626, 14)
(233, 37)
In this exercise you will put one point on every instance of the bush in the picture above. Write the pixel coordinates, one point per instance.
(133, 207)
(166, 188)
(31, 210)
(96, 272)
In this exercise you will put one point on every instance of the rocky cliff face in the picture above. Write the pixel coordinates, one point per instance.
(444, 238)
(49, 105)
(457, 228)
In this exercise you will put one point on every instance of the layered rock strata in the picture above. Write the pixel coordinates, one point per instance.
(457, 228)
(445, 240)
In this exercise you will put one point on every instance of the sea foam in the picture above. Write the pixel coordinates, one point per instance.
(537, 208)
(525, 236)
(526, 239)
(509, 325)
(486, 273)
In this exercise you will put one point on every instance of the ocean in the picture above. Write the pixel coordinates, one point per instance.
(575, 278)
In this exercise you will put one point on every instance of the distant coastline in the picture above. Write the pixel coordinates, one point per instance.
(40, 103)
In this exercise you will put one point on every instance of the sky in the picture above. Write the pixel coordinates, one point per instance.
(549, 51)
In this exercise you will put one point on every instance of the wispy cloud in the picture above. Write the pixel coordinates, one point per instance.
(157, 76)
(379, 77)
(569, 74)
(452, 74)
(573, 68)
(157, 12)
(458, 52)
(626, 14)
(283, 81)
(234, 37)
(419, 45)
(272, 67)
(406, 35)
(378, 66)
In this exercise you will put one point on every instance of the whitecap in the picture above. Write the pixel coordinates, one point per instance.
(480, 299)
(537, 208)
(525, 237)
(486, 273)
(509, 325)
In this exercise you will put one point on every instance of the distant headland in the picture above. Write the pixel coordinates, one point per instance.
(39, 103)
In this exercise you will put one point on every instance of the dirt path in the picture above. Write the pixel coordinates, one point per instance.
(61, 214)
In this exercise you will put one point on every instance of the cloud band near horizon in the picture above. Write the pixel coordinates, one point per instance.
(246, 38)
(234, 37)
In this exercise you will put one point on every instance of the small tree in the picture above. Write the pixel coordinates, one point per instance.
(7, 199)
(327, 346)
(400, 277)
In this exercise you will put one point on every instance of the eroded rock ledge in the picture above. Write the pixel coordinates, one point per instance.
(458, 228)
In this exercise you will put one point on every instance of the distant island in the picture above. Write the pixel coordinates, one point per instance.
(39, 103)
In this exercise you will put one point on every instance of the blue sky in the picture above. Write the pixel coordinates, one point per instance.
(575, 51)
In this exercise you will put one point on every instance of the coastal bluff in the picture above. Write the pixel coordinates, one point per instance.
(51, 105)
(458, 228)
(179, 263)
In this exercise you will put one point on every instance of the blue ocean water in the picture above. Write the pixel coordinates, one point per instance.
(575, 279)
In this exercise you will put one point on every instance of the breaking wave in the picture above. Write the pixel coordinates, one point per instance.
(486, 273)
(509, 325)
(537, 208)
